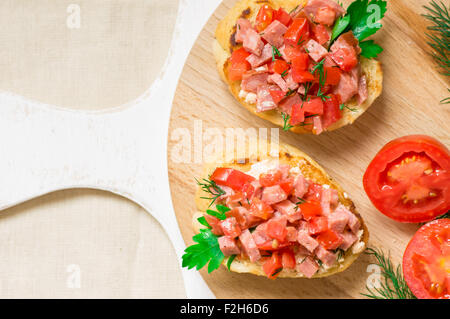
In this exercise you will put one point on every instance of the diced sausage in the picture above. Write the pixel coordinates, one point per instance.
(326, 256)
(230, 227)
(315, 50)
(301, 186)
(273, 34)
(349, 239)
(307, 241)
(264, 100)
(251, 80)
(289, 209)
(278, 80)
(273, 194)
(253, 42)
(337, 221)
(228, 246)
(266, 55)
(249, 246)
(242, 26)
(363, 94)
(308, 267)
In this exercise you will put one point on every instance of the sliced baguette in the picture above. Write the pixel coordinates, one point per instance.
(224, 45)
(311, 170)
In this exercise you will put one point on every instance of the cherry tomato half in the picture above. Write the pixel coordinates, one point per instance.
(409, 179)
(426, 261)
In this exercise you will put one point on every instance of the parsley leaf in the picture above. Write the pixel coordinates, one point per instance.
(340, 26)
(202, 220)
(370, 49)
(365, 16)
(230, 261)
(207, 250)
(220, 213)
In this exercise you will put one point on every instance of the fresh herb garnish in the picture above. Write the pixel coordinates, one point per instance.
(202, 220)
(285, 73)
(343, 106)
(394, 285)
(277, 271)
(229, 261)
(206, 251)
(363, 19)
(439, 35)
(210, 187)
(286, 118)
(290, 92)
(300, 41)
(446, 100)
(444, 216)
(275, 53)
(220, 213)
(340, 26)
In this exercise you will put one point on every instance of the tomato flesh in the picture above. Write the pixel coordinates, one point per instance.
(409, 179)
(264, 17)
(238, 64)
(277, 95)
(329, 239)
(298, 32)
(313, 106)
(426, 261)
(331, 111)
(278, 66)
(231, 178)
(273, 266)
(310, 209)
(288, 259)
(282, 16)
(260, 209)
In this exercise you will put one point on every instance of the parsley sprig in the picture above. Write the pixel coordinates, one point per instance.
(206, 251)
(363, 19)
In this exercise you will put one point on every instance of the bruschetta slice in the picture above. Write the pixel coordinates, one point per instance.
(297, 63)
(277, 217)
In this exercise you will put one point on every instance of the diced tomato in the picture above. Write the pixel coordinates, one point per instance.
(231, 178)
(240, 218)
(298, 32)
(230, 227)
(282, 16)
(318, 225)
(329, 239)
(288, 259)
(270, 179)
(292, 51)
(332, 75)
(297, 114)
(264, 17)
(260, 209)
(240, 55)
(276, 229)
(273, 266)
(346, 58)
(236, 71)
(302, 76)
(287, 185)
(300, 62)
(273, 244)
(238, 64)
(278, 66)
(331, 111)
(277, 95)
(321, 33)
(314, 192)
(248, 190)
(313, 106)
(310, 209)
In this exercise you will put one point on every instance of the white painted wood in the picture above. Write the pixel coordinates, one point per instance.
(44, 148)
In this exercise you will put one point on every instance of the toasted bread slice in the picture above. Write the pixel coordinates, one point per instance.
(224, 45)
(311, 170)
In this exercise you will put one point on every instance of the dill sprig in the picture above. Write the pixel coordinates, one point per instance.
(286, 125)
(394, 285)
(439, 35)
(210, 187)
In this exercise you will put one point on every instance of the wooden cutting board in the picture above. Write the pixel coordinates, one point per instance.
(409, 104)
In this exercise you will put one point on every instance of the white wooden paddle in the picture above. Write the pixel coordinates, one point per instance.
(44, 148)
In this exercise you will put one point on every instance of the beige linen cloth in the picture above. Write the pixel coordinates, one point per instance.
(84, 243)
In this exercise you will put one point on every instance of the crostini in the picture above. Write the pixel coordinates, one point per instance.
(301, 65)
(282, 217)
